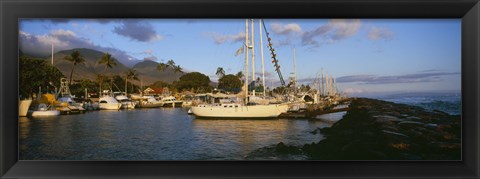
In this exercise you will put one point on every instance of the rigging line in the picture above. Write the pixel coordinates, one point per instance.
(272, 52)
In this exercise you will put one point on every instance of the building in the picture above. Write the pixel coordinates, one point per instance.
(156, 91)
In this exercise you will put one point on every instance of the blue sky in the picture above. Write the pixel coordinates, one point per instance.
(364, 55)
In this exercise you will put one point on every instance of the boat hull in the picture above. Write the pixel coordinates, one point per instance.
(149, 105)
(110, 106)
(256, 111)
(23, 107)
(173, 104)
(128, 105)
(45, 113)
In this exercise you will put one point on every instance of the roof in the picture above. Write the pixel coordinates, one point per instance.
(156, 90)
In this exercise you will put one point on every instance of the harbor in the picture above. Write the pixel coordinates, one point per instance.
(261, 91)
(384, 131)
(155, 134)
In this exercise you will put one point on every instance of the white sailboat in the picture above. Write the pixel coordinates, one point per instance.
(239, 110)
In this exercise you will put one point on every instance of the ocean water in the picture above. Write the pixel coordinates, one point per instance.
(450, 103)
(156, 134)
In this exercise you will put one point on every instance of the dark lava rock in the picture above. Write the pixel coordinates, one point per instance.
(379, 130)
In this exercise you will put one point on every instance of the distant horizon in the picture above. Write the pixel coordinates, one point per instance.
(365, 56)
(408, 93)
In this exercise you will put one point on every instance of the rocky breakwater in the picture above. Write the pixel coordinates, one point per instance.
(380, 130)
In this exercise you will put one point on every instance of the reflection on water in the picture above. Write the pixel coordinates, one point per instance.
(155, 134)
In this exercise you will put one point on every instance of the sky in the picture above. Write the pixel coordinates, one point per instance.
(364, 56)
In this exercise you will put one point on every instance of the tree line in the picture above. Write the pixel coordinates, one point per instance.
(36, 72)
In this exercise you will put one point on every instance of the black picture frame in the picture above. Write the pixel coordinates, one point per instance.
(467, 10)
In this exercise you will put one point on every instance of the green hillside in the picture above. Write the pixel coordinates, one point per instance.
(147, 70)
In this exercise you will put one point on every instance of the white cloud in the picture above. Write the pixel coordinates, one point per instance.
(335, 30)
(139, 31)
(286, 29)
(376, 34)
(148, 51)
(221, 38)
(40, 45)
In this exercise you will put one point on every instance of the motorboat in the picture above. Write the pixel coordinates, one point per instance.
(66, 105)
(126, 102)
(43, 111)
(171, 101)
(149, 102)
(109, 103)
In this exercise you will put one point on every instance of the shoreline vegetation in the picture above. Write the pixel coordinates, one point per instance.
(378, 130)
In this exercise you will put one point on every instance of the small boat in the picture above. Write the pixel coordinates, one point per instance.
(43, 111)
(68, 106)
(171, 101)
(149, 102)
(23, 107)
(66, 103)
(109, 103)
(126, 102)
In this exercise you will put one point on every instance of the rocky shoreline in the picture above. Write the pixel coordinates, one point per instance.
(380, 130)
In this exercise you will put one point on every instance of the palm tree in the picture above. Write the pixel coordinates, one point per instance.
(76, 58)
(220, 72)
(108, 61)
(162, 67)
(170, 64)
(130, 74)
(177, 69)
(239, 74)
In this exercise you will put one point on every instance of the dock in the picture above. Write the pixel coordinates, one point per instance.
(311, 114)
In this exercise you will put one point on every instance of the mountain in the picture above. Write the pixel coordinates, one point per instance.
(147, 70)
(90, 69)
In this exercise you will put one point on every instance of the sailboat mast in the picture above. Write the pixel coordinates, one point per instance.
(252, 41)
(294, 71)
(263, 61)
(126, 84)
(323, 86)
(246, 61)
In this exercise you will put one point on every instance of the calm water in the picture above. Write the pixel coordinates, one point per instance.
(155, 134)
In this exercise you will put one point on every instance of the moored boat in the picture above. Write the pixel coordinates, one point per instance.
(23, 107)
(149, 102)
(126, 102)
(67, 105)
(237, 110)
(109, 103)
(171, 101)
(44, 111)
(242, 108)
